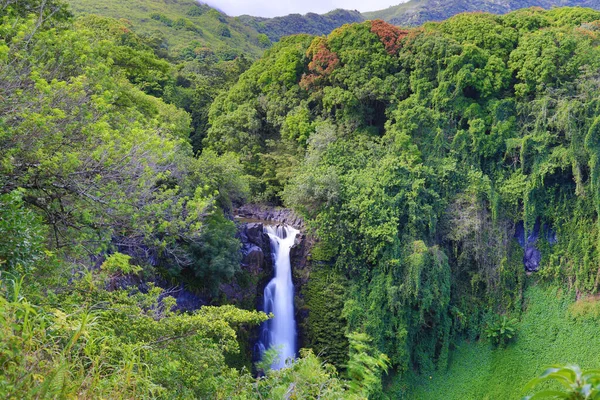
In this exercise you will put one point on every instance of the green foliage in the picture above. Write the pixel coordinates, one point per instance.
(118, 263)
(501, 331)
(178, 24)
(417, 12)
(116, 345)
(365, 366)
(306, 378)
(216, 255)
(22, 235)
(224, 31)
(130, 53)
(239, 121)
(225, 175)
(264, 41)
(548, 333)
(577, 384)
(325, 326)
(98, 158)
(314, 24)
(51, 13)
(413, 155)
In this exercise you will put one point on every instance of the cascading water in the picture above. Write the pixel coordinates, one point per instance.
(280, 331)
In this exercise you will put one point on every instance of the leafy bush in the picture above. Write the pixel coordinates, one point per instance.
(22, 234)
(365, 366)
(224, 31)
(501, 331)
(162, 18)
(120, 344)
(118, 263)
(216, 255)
(306, 378)
(263, 40)
(577, 384)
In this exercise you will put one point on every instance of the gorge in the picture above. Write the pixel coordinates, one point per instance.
(396, 213)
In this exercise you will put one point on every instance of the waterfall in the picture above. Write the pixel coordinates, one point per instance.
(280, 331)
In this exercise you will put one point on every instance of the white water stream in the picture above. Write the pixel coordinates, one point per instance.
(280, 331)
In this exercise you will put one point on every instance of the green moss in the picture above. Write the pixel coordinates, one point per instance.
(549, 333)
(325, 326)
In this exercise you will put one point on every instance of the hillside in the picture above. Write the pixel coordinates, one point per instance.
(417, 157)
(417, 12)
(376, 213)
(180, 25)
(311, 23)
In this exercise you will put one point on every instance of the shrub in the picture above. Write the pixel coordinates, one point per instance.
(21, 234)
(576, 383)
(502, 331)
(224, 31)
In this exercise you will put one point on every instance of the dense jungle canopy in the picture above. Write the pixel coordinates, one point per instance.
(449, 175)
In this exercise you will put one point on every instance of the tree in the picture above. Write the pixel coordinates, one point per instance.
(365, 366)
(22, 235)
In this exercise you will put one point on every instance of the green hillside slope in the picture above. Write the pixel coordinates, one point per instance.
(180, 25)
(311, 23)
(417, 12)
(554, 329)
(416, 157)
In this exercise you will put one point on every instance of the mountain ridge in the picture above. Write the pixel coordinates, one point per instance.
(417, 12)
(183, 27)
(311, 23)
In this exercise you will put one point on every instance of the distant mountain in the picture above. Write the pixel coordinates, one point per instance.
(417, 12)
(314, 24)
(184, 26)
(187, 25)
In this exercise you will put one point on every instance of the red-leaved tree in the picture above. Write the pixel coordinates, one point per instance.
(323, 63)
(390, 35)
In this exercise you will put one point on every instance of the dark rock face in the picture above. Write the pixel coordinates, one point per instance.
(256, 249)
(257, 266)
(263, 213)
(186, 300)
(299, 255)
(532, 259)
(528, 241)
(301, 268)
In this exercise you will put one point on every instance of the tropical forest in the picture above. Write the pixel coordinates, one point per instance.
(395, 204)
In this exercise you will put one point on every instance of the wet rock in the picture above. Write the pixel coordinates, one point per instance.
(299, 255)
(186, 300)
(254, 233)
(528, 241)
(246, 289)
(253, 258)
(265, 213)
(251, 221)
(256, 248)
(532, 259)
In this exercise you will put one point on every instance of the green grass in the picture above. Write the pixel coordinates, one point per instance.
(549, 333)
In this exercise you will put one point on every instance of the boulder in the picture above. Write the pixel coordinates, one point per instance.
(529, 242)
(532, 259)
